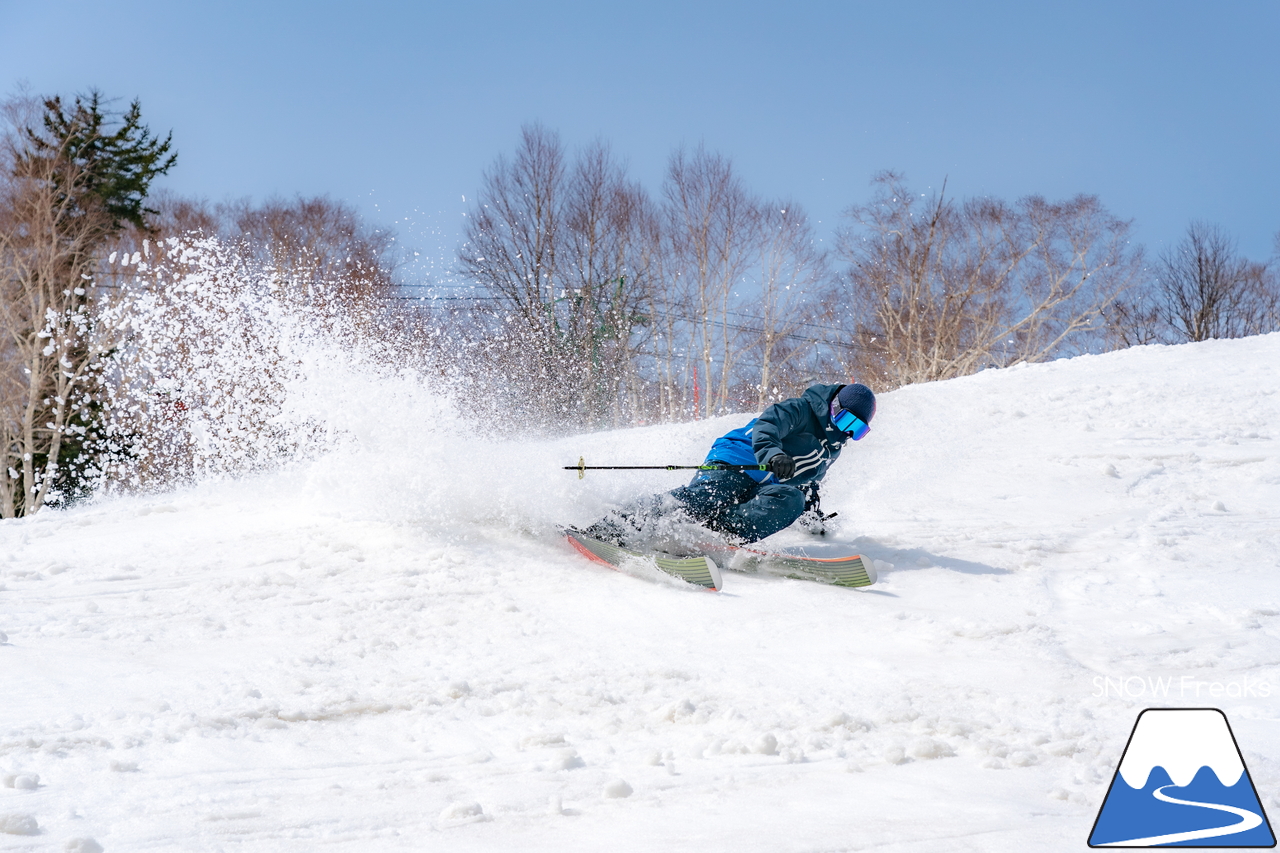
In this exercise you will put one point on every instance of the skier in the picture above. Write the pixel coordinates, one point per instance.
(796, 439)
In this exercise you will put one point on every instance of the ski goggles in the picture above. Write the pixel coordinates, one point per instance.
(848, 422)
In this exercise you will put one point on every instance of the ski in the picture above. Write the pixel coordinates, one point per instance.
(850, 571)
(699, 571)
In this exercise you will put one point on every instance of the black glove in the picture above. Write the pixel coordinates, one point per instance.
(782, 466)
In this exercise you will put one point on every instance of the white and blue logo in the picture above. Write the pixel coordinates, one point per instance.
(1182, 783)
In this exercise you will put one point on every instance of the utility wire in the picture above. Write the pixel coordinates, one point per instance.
(734, 326)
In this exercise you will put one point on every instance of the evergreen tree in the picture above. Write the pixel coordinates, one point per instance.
(114, 169)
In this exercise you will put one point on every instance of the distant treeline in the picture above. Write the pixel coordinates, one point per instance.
(579, 299)
(613, 306)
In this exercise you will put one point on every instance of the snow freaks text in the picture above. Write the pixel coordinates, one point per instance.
(1178, 687)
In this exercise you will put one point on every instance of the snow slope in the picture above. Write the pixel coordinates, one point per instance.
(389, 648)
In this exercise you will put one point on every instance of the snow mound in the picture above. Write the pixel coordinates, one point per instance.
(19, 824)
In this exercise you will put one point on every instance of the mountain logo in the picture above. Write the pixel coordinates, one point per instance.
(1182, 783)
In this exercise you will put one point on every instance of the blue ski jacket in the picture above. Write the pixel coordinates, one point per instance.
(800, 427)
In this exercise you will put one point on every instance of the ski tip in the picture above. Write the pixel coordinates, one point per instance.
(582, 548)
(857, 573)
(717, 580)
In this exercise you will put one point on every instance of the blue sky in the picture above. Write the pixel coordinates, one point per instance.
(1166, 110)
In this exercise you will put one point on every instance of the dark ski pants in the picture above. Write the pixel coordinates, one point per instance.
(733, 503)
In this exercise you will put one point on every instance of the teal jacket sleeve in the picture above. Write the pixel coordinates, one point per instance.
(775, 424)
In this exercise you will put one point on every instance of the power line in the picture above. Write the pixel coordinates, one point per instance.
(781, 334)
(478, 298)
(441, 298)
(734, 326)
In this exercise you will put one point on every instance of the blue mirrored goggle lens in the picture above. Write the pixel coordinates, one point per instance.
(850, 423)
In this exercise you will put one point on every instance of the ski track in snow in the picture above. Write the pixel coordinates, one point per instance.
(390, 648)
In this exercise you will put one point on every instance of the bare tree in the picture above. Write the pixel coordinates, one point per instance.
(180, 216)
(713, 228)
(319, 251)
(45, 256)
(567, 251)
(67, 184)
(512, 235)
(1206, 290)
(1134, 319)
(668, 348)
(512, 231)
(607, 259)
(792, 269)
(943, 289)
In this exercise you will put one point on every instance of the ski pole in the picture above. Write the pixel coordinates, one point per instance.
(582, 468)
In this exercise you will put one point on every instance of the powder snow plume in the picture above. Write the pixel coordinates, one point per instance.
(224, 371)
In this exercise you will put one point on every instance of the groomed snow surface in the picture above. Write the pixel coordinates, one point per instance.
(390, 648)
